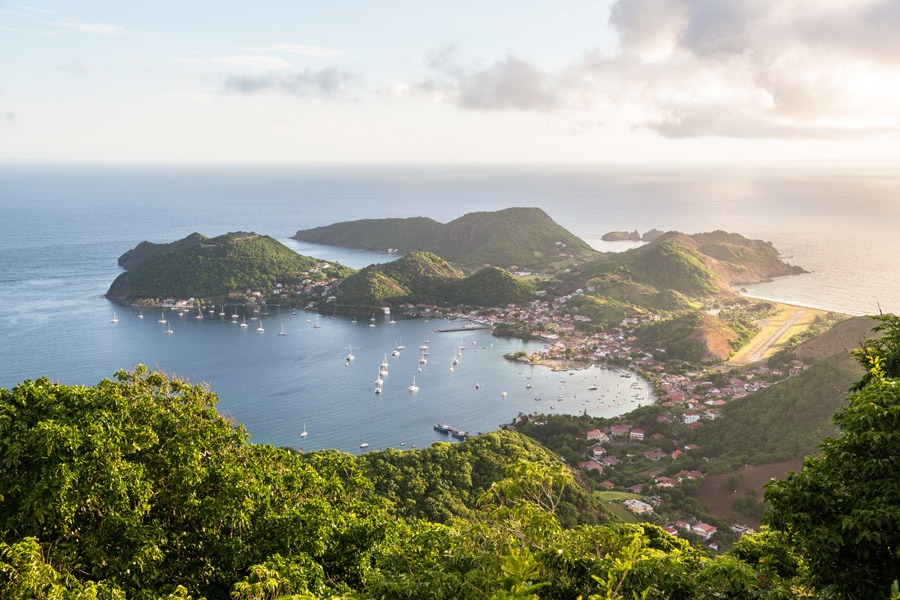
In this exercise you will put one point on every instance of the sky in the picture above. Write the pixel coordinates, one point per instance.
(605, 82)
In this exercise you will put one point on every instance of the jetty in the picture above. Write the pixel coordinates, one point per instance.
(466, 328)
(455, 432)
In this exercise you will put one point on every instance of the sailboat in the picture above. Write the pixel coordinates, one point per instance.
(350, 354)
(399, 346)
(317, 326)
(162, 317)
(354, 319)
(413, 387)
(115, 319)
(199, 314)
(334, 315)
(304, 434)
(372, 321)
(282, 332)
(384, 362)
(169, 328)
(234, 315)
(140, 314)
(260, 328)
(222, 312)
(244, 324)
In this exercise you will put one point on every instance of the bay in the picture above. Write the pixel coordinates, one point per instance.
(64, 226)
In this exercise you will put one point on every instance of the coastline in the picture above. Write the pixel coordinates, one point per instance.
(798, 304)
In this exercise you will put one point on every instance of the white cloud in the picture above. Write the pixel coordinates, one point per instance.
(324, 83)
(268, 63)
(736, 68)
(314, 51)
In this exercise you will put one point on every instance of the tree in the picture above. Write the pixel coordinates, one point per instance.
(141, 484)
(843, 508)
(884, 349)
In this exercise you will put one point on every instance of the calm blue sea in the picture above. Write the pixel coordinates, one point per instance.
(64, 226)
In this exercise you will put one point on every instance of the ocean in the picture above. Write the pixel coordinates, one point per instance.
(64, 227)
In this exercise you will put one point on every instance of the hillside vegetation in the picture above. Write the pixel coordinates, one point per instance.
(522, 237)
(421, 277)
(138, 488)
(201, 267)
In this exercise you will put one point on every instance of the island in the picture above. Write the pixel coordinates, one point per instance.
(514, 238)
(237, 267)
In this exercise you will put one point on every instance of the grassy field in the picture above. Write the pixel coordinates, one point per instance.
(763, 344)
(613, 502)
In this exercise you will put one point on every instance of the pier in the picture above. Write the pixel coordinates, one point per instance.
(467, 328)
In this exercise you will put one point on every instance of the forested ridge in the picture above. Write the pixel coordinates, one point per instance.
(138, 488)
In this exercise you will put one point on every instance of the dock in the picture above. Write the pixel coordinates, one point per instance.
(467, 328)
(455, 432)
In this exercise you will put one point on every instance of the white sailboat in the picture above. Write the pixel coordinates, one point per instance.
(260, 328)
(413, 387)
(317, 326)
(282, 332)
(350, 354)
(304, 434)
(234, 315)
(115, 319)
(199, 314)
(169, 328)
(384, 362)
(162, 317)
(244, 324)
(140, 314)
(222, 312)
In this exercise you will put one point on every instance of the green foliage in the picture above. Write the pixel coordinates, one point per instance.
(140, 483)
(843, 508)
(680, 336)
(784, 421)
(883, 351)
(405, 235)
(210, 268)
(137, 488)
(446, 480)
(420, 277)
(525, 237)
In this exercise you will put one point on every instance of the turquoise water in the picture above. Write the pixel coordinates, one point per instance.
(64, 227)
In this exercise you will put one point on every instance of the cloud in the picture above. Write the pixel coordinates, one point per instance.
(508, 84)
(324, 83)
(103, 29)
(818, 69)
(9, 117)
(254, 62)
(314, 51)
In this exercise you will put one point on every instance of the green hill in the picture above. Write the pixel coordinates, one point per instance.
(446, 480)
(784, 421)
(201, 267)
(522, 237)
(422, 277)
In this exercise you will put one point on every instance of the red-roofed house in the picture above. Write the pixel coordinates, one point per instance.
(666, 482)
(637, 434)
(671, 531)
(596, 434)
(591, 466)
(690, 417)
(676, 454)
(619, 429)
(704, 530)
